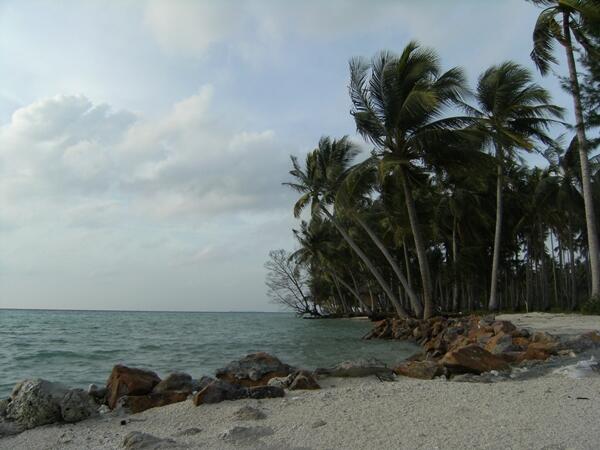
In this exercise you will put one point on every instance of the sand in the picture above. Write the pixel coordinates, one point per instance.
(559, 324)
(551, 412)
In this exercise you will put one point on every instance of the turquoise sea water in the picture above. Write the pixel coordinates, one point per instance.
(80, 347)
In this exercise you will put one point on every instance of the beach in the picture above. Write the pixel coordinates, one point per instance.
(549, 410)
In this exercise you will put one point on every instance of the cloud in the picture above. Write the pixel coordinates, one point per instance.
(189, 162)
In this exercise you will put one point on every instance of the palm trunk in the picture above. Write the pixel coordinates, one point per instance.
(493, 303)
(419, 246)
(590, 218)
(407, 263)
(414, 300)
(386, 288)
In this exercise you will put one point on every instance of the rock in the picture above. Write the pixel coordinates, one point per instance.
(10, 428)
(4, 406)
(36, 402)
(249, 413)
(473, 359)
(77, 405)
(255, 369)
(539, 351)
(356, 368)
(543, 338)
(188, 432)
(282, 382)
(520, 342)
(423, 370)
(238, 433)
(500, 343)
(584, 341)
(503, 326)
(129, 381)
(303, 379)
(137, 440)
(219, 391)
(177, 381)
(258, 392)
(97, 393)
(138, 403)
(318, 423)
(203, 382)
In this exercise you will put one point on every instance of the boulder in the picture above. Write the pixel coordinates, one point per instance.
(282, 382)
(356, 368)
(500, 343)
(249, 413)
(138, 403)
(255, 369)
(258, 392)
(129, 381)
(178, 381)
(77, 405)
(10, 428)
(539, 351)
(97, 393)
(137, 440)
(543, 338)
(303, 379)
(584, 341)
(424, 370)
(473, 359)
(36, 402)
(4, 406)
(219, 391)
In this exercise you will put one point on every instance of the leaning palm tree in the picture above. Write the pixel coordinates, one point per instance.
(514, 113)
(398, 102)
(558, 22)
(325, 169)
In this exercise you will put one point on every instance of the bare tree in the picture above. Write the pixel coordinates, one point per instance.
(287, 283)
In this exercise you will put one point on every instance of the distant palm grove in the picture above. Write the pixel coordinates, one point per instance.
(445, 215)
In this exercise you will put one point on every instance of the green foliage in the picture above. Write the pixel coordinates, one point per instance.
(591, 306)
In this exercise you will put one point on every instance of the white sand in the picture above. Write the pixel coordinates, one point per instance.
(368, 414)
(559, 324)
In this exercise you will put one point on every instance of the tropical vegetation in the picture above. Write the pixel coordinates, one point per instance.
(448, 212)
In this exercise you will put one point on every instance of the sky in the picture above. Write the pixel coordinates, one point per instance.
(143, 143)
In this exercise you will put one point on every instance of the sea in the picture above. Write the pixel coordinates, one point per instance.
(78, 348)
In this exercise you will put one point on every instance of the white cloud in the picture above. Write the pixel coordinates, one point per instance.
(189, 162)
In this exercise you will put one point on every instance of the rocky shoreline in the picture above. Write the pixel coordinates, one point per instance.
(472, 348)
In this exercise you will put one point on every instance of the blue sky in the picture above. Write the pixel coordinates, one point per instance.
(143, 143)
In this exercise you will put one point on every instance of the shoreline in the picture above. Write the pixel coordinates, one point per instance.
(540, 406)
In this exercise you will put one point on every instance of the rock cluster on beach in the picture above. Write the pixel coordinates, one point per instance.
(39, 402)
(471, 345)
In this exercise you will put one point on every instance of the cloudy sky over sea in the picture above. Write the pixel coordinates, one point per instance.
(143, 143)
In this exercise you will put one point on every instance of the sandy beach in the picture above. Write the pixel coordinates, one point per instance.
(551, 411)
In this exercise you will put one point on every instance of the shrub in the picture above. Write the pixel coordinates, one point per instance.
(591, 306)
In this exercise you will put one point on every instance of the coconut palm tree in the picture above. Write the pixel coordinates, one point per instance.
(558, 22)
(514, 113)
(325, 169)
(398, 105)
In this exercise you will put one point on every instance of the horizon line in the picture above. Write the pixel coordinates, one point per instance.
(139, 310)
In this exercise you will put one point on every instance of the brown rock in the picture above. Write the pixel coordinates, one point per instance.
(129, 381)
(423, 370)
(520, 342)
(539, 351)
(500, 343)
(219, 391)
(473, 359)
(255, 369)
(139, 403)
(175, 382)
(303, 379)
(543, 337)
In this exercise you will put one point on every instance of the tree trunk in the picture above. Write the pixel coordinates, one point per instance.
(454, 268)
(419, 246)
(414, 300)
(493, 303)
(355, 294)
(590, 218)
(365, 259)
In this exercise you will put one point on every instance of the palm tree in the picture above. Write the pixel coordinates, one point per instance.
(398, 102)
(513, 113)
(557, 22)
(325, 169)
